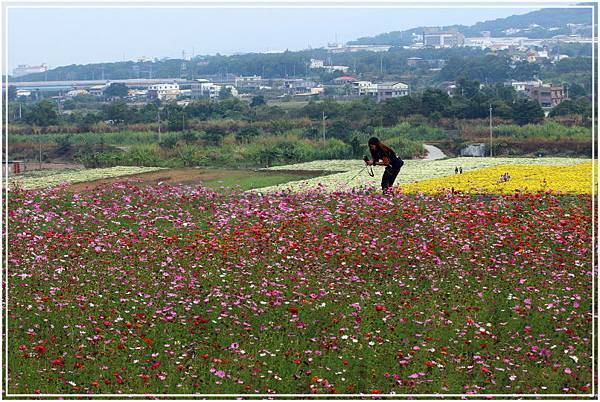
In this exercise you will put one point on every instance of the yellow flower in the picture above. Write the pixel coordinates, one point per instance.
(575, 179)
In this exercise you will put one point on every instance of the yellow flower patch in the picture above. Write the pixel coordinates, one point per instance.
(575, 179)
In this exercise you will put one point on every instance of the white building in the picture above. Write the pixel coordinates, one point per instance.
(331, 69)
(206, 89)
(24, 69)
(97, 90)
(381, 91)
(76, 92)
(316, 63)
(253, 81)
(164, 91)
(23, 92)
(521, 86)
(361, 88)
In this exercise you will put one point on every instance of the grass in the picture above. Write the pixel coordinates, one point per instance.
(247, 180)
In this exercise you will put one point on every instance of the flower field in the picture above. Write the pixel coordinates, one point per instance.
(177, 290)
(412, 171)
(40, 179)
(575, 179)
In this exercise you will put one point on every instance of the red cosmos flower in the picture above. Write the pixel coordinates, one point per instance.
(485, 370)
(297, 361)
(429, 363)
(107, 324)
(204, 356)
(41, 349)
(376, 391)
(58, 362)
(379, 307)
(293, 310)
(155, 365)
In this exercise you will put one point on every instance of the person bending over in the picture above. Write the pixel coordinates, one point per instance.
(384, 156)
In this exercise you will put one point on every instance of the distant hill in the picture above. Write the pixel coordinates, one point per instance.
(549, 22)
(543, 23)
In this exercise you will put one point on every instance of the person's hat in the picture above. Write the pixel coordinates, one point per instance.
(373, 141)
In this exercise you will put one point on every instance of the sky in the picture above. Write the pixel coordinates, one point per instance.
(64, 36)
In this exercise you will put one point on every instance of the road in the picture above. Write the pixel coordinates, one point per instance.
(433, 152)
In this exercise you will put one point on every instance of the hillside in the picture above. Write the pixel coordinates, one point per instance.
(551, 21)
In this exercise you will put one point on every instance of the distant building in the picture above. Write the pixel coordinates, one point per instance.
(253, 81)
(76, 92)
(23, 93)
(361, 88)
(380, 91)
(332, 69)
(24, 69)
(206, 89)
(97, 90)
(336, 48)
(163, 91)
(413, 61)
(547, 95)
(316, 63)
(434, 37)
(521, 86)
(449, 87)
(344, 79)
(388, 90)
(312, 92)
(425, 63)
(293, 86)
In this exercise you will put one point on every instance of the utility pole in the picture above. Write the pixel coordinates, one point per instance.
(158, 117)
(323, 126)
(491, 148)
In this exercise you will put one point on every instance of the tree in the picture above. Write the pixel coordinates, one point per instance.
(506, 92)
(12, 92)
(393, 109)
(576, 91)
(247, 133)
(340, 129)
(117, 111)
(582, 106)
(527, 111)
(356, 146)
(467, 88)
(258, 101)
(434, 100)
(42, 114)
(225, 93)
(116, 90)
(63, 145)
(214, 135)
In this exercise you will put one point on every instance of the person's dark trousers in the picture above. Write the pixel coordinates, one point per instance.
(389, 176)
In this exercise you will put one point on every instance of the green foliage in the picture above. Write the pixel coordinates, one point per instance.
(42, 114)
(116, 90)
(527, 111)
(246, 134)
(63, 145)
(214, 135)
(258, 101)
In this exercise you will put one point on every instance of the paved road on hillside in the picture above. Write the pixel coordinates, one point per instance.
(433, 152)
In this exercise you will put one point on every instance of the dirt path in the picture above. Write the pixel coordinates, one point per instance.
(187, 176)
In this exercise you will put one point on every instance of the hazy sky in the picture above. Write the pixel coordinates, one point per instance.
(87, 35)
